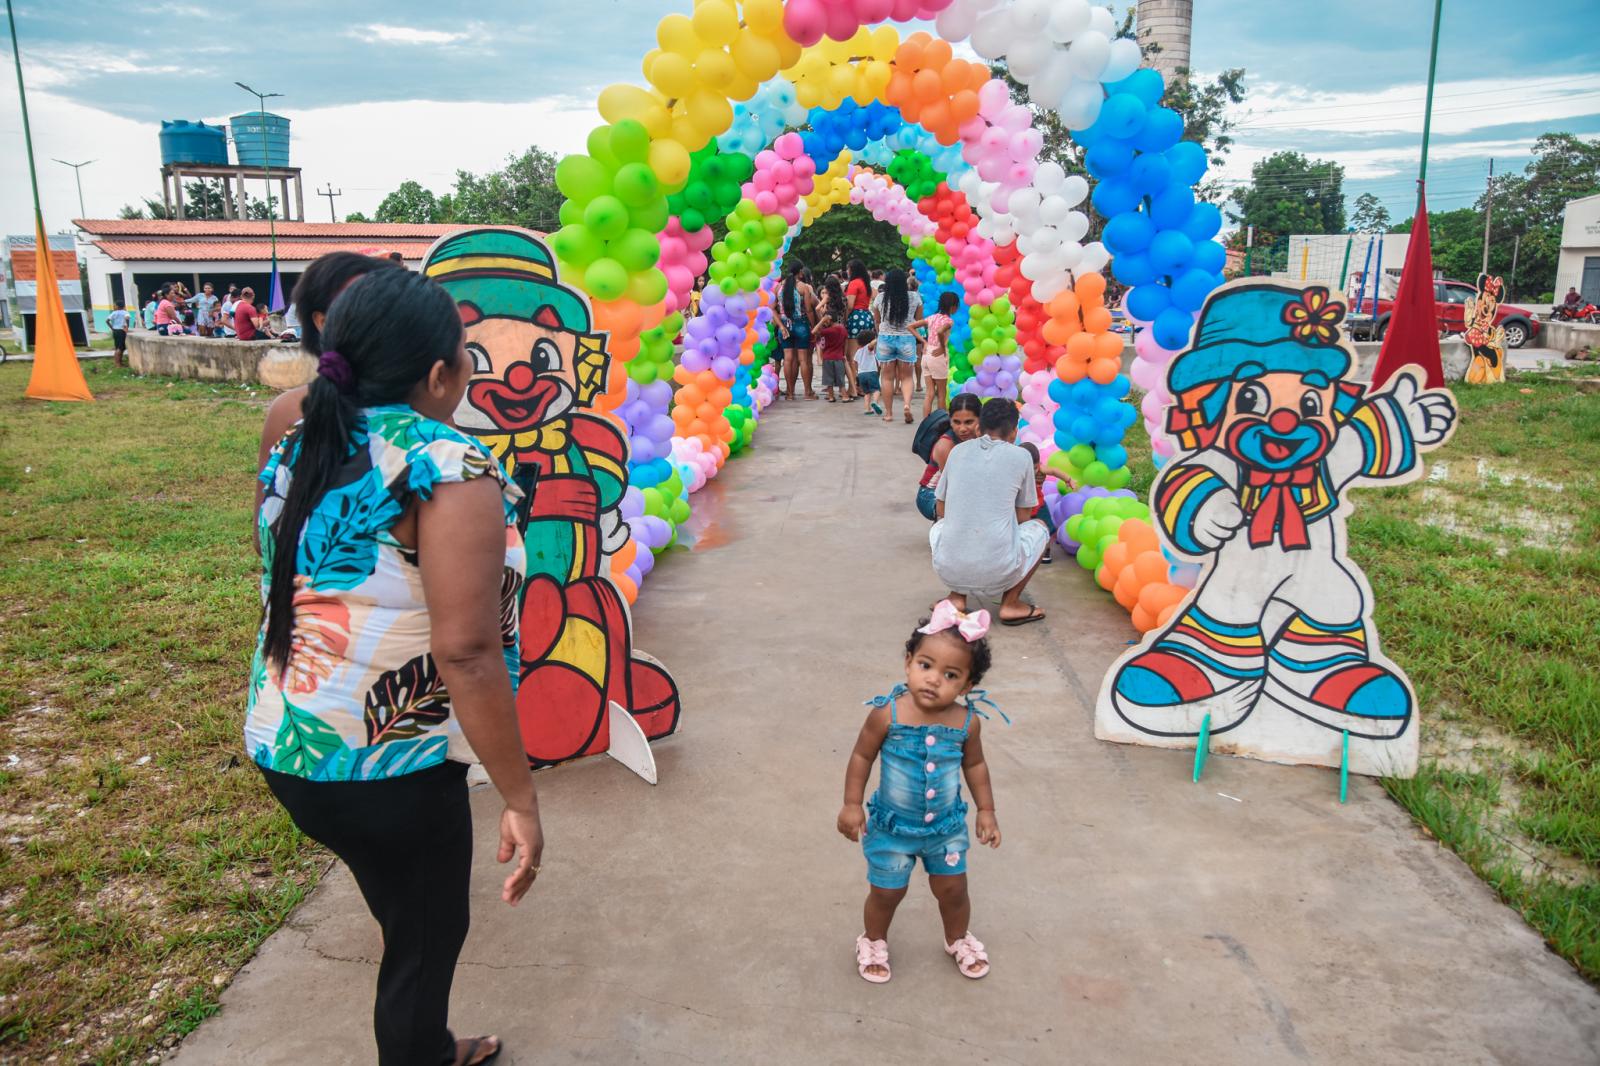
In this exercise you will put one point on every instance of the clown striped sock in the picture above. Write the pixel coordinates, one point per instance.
(1225, 654)
(1307, 649)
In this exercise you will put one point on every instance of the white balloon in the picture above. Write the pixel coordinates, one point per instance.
(1089, 54)
(1074, 226)
(1080, 105)
(1074, 188)
(1028, 56)
(1101, 19)
(1125, 59)
(1035, 268)
(1025, 244)
(956, 22)
(1030, 16)
(1068, 18)
(1095, 257)
(993, 34)
(1047, 289)
(1070, 256)
(1048, 178)
(1025, 205)
(1052, 209)
(1046, 239)
(1054, 77)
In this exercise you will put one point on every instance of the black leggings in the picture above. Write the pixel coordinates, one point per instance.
(408, 841)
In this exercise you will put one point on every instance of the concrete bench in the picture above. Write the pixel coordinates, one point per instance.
(270, 363)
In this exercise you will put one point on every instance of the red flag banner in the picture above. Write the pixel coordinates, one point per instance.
(1413, 333)
(56, 373)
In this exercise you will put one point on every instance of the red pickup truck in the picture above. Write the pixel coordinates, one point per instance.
(1450, 299)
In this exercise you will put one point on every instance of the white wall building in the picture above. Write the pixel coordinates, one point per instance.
(1338, 260)
(1579, 263)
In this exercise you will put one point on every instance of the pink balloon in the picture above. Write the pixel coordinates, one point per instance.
(993, 98)
(766, 202)
(804, 21)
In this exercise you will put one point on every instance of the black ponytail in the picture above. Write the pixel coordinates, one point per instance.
(390, 327)
(791, 307)
(896, 301)
(857, 271)
(326, 277)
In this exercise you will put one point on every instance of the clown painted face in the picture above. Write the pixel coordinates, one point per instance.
(1279, 421)
(525, 373)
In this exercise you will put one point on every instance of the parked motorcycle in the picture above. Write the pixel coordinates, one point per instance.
(1585, 312)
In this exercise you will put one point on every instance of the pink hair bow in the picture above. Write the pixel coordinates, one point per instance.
(972, 626)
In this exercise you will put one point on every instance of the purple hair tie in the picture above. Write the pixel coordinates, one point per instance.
(336, 368)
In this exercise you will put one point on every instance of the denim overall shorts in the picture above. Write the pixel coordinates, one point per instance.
(917, 810)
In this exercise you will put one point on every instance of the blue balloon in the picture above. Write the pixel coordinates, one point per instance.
(1113, 196)
(1208, 256)
(1170, 252)
(1120, 386)
(1121, 116)
(1128, 233)
(1150, 174)
(1144, 83)
(1061, 418)
(1133, 269)
(1190, 289)
(1084, 392)
(1172, 328)
(1113, 455)
(1172, 206)
(1109, 158)
(1145, 302)
(1204, 222)
(1163, 128)
(1188, 162)
(1058, 390)
(1083, 428)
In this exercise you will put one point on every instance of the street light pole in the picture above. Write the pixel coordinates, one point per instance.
(77, 172)
(266, 164)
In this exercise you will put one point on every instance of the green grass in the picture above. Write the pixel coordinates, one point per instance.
(143, 860)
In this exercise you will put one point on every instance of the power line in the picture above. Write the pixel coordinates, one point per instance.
(1545, 83)
(1323, 123)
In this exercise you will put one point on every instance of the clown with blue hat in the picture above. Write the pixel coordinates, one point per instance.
(1274, 433)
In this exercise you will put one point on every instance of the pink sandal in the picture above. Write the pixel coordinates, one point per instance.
(970, 957)
(872, 953)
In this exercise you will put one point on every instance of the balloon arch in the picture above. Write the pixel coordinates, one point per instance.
(935, 145)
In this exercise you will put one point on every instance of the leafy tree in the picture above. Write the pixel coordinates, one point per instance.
(409, 203)
(848, 232)
(1370, 215)
(201, 200)
(1457, 241)
(1289, 193)
(356, 216)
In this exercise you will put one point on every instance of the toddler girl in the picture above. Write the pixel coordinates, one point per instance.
(917, 810)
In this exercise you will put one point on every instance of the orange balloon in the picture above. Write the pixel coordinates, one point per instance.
(721, 397)
(708, 381)
(1166, 614)
(1070, 370)
(625, 555)
(1097, 319)
(963, 106)
(954, 76)
(926, 87)
(1081, 345)
(697, 428)
(1091, 287)
(977, 76)
(1102, 371)
(625, 585)
(937, 53)
(706, 412)
(1126, 590)
(909, 55)
(681, 417)
(1142, 619)
(1139, 536)
(682, 375)
(691, 396)
(1150, 567)
(1115, 558)
(1055, 331)
(1063, 304)
(1108, 346)
(898, 92)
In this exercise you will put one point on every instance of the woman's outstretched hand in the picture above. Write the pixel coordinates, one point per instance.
(521, 835)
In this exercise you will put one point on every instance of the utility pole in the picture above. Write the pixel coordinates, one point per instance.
(1488, 213)
(77, 172)
(1511, 287)
(330, 192)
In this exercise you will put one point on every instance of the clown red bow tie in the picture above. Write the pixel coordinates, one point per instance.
(1278, 513)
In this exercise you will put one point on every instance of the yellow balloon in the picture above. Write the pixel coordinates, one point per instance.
(812, 65)
(740, 87)
(885, 42)
(808, 93)
(755, 56)
(672, 74)
(619, 102)
(685, 132)
(789, 50)
(841, 82)
(716, 22)
(677, 34)
(764, 16)
(670, 161)
(709, 111)
(713, 68)
(871, 79)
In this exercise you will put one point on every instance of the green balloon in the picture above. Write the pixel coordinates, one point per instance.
(606, 217)
(577, 245)
(735, 241)
(651, 216)
(636, 250)
(672, 487)
(630, 142)
(729, 285)
(776, 227)
(679, 511)
(654, 503)
(738, 262)
(636, 184)
(648, 287)
(606, 279)
(571, 213)
(692, 220)
(763, 250)
(749, 281)
(698, 195)
(581, 178)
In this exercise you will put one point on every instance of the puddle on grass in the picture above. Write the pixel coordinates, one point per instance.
(1512, 516)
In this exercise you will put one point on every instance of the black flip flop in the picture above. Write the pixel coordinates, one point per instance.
(474, 1043)
(1033, 615)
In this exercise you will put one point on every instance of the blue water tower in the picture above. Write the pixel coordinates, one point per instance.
(260, 139)
(183, 141)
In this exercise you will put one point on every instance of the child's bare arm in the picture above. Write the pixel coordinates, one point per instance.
(852, 819)
(977, 771)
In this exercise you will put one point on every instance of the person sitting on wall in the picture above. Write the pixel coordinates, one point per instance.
(248, 323)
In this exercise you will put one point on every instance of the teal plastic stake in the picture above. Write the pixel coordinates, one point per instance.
(1202, 746)
(1344, 769)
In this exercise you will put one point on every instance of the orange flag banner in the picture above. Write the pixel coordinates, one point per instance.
(56, 373)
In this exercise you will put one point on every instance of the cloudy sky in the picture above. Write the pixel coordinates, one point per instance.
(379, 93)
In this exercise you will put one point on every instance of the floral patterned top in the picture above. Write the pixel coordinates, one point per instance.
(361, 698)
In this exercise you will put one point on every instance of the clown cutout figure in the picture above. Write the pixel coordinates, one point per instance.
(537, 368)
(1276, 644)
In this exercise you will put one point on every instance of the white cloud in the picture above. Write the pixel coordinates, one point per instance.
(378, 33)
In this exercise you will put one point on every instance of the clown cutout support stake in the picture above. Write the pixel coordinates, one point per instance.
(537, 368)
(1276, 644)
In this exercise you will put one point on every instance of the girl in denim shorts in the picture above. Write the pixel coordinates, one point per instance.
(917, 811)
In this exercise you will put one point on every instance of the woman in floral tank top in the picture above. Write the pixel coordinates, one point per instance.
(387, 656)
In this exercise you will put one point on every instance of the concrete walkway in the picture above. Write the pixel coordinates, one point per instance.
(1133, 916)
